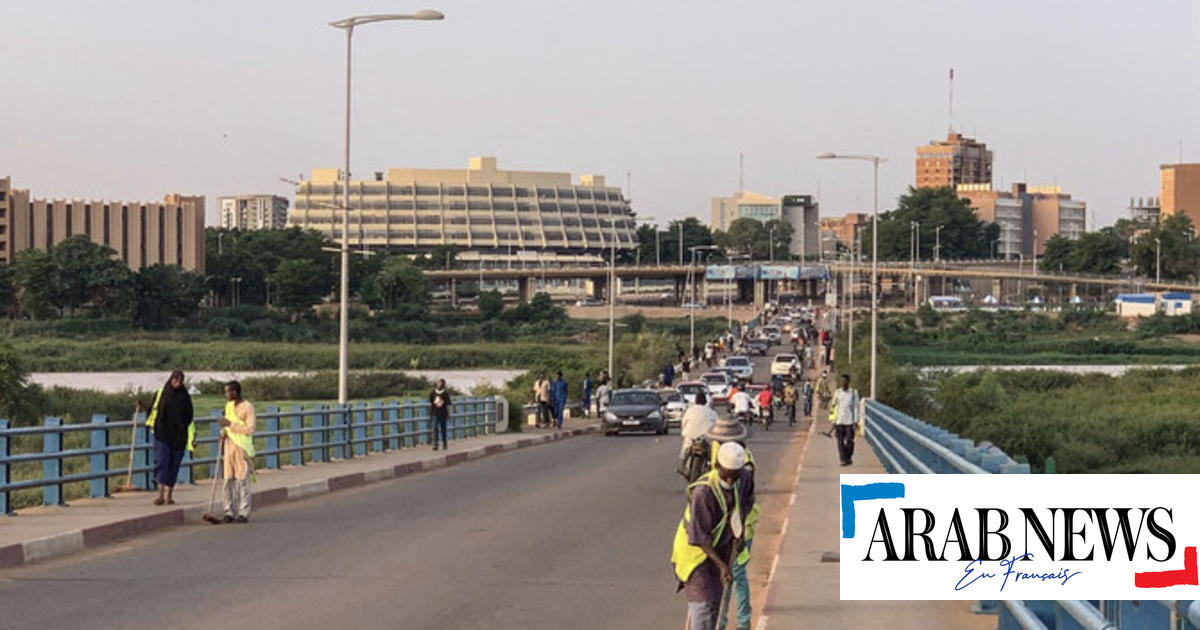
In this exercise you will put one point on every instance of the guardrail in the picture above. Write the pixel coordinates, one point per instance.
(905, 444)
(97, 453)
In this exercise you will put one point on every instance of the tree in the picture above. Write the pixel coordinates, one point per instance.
(1180, 254)
(694, 234)
(252, 256)
(298, 284)
(743, 236)
(20, 400)
(1057, 254)
(782, 237)
(962, 235)
(90, 274)
(491, 304)
(402, 283)
(1098, 253)
(8, 290)
(165, 294)
(36, 277)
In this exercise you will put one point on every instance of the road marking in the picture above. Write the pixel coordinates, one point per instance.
(764, 620)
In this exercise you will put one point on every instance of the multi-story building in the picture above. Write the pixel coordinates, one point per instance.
(1181, 190)
(1144, 211)
(802, 212)
(952, 162)
(254, 212)
(482, 209)
(1027, 215)
(846, 229)
(143, 233)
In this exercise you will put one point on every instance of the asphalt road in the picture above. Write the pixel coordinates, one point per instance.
(576, 534)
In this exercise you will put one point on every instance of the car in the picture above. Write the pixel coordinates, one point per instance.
(771, 333)
(690, 389)
(733, 374)
(674, 406)
(718, 386)
(635, 410)
(756, 346)
(590, 302)
(740, 366)
(692, 306)
(782, 364)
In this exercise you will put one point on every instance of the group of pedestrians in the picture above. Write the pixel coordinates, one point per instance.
(551, 399)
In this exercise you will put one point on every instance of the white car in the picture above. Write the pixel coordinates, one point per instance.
(783, 363)
(740, 367)
(718, 386)
(771, 333)
(676, 405)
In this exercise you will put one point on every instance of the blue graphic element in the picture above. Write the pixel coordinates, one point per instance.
(850, 494)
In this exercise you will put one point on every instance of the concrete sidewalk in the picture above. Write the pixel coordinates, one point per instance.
(41, 533)
(804, 590)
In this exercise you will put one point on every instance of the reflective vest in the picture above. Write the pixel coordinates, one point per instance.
(154, 414)
(751, 518)
(685, 556)
(241, 440)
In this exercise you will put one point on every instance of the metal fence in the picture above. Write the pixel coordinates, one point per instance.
(97, 453)
(905, 444)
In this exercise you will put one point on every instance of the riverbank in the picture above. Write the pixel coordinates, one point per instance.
(128, 382)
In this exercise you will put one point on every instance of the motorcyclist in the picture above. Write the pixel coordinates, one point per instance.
(764, 406)
(739, 401)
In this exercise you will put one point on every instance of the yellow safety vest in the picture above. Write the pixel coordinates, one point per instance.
(242, 441)
(751, 521)
(685, 556)
(154, 414)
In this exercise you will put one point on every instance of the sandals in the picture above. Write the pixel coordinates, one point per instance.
(159, 501)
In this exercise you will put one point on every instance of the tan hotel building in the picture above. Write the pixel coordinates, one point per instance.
(481, 208)
(143, 233)
(1026, 215)
(952, 162)
(1180, 191)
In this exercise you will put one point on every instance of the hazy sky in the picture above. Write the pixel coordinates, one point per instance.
(135, 99)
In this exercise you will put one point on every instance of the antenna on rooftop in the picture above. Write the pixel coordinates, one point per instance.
(950, 92)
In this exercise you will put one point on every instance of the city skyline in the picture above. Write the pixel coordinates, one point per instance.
(233, 97)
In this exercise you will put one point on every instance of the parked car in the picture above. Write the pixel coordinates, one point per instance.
(674, 406)
(740, 366)
(783, 364)
(590, 302)
(635, 410)
(692, 306)
(689, 390)
(718, 386)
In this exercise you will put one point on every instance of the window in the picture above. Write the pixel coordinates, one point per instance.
(162, 231)
(125, 234)
(49, 226)
(179, 237)
(87, 220)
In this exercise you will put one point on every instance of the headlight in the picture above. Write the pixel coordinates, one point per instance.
(654, 415)
(610, 416)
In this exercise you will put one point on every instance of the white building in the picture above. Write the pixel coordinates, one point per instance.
(254, 212)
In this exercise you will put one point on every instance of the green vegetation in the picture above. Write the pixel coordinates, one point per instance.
(962, 235)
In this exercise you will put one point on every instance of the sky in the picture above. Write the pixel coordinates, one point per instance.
(130, 99)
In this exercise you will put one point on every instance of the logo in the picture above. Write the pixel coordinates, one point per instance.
(968, 537)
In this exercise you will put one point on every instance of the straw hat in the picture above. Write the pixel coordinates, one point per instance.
(726, 430)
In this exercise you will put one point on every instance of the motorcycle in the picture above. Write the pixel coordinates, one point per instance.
(766, 415)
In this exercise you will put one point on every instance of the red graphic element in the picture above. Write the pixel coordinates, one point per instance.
(1187, 576)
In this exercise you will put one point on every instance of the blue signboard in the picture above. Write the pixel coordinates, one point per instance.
(719, 272)
(779, 272)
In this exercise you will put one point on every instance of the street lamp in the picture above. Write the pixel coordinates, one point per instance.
(915, 248)
(348, 25)
(875, 160)
(692, 306)
(937, 244)
(771, 243)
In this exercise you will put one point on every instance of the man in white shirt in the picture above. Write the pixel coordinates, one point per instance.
(740, 403)
(844, 416)
(697, 420)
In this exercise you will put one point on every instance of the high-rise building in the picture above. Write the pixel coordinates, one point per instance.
(1144, 210)
(254, 212)
(481, 209)
(143, 233)
(1027, 215)
(800, 211)
(952, 162)
(1181, 190)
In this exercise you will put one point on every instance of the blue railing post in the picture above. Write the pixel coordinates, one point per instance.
(272, 438)
(320, 422)
(297, 438)
(422, 413)
(141, 452)
(344, 434)
(98, 462)
(393, 426)
(376, 416)
(358, 432)
(408, 424)
(52, 467)
(5, 504)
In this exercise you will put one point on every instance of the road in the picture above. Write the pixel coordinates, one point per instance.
(571, 535)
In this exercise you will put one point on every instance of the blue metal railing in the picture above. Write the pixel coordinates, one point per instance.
(282, 437)
(905, 444)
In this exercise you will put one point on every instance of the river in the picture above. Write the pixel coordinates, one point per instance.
(117, 382)
(1110, 370)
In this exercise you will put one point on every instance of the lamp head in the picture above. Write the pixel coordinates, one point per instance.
(428, 14)
(827, 156)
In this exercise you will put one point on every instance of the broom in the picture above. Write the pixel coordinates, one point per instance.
(212, 495)
(128, 485)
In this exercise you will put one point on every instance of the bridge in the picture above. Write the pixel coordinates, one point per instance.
(814, 280)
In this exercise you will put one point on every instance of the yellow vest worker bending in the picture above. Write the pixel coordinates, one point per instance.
(237, 434)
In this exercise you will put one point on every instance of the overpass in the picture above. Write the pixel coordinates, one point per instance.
(813, 280)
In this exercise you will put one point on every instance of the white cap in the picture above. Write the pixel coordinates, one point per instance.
(731, 456)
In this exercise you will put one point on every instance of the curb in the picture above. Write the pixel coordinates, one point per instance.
(58, 545)
(764, 618)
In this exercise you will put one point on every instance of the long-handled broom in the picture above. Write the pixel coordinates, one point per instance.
(128, 485)
(212, 495)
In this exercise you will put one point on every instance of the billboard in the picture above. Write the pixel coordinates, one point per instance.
(779, 272)
(719, 272)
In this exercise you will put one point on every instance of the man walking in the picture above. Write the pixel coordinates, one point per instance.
(707, 537)
(541, 396)
(668, 372)
(844, 415)
(558, 395)
(237, 433)
(790, 396)
(587, 394)
(439, 410)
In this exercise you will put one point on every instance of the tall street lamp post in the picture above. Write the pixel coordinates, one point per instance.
(692, 306)
(348, 25)
(875, 160)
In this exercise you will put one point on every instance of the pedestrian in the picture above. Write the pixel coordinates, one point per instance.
(685, 366)
(541, 393)
(824, 395)
(587, 394)
(622, 381)
(727, 431)
(807, 392)
(439, 410)
(602, 396)
(170, 416)
(558, 397)
(708, 354)
(237, 435)
(707, 536)
(695, 352)
(668, 373)
(790, 396)
(827, 341)
(696, 422)
(844, 416)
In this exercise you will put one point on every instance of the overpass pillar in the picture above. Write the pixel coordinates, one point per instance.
(680, 287)
(760, 299)
(595, 287)
(526, 288)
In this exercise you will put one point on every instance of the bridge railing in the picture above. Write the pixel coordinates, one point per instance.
(905, 444)
(90, 459)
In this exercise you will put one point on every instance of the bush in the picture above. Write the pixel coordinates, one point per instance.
(323, 386)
